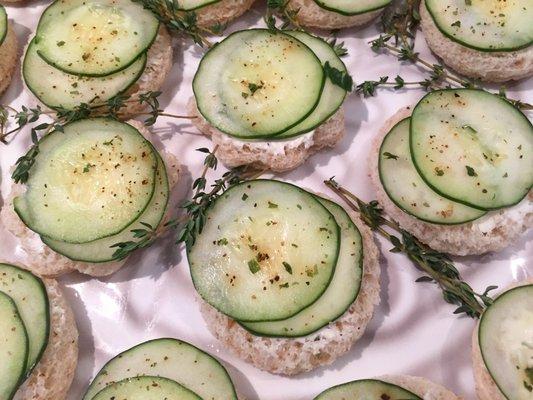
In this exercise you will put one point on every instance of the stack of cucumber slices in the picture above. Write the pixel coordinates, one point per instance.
(88, 51)
(24, 326)
(462, 153)
(371, 389)
(281, 261)
(350, 7)
(505, 337)
(91, 185)
(259, 84)
(162, 369)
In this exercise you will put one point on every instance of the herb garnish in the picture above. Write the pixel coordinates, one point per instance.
(254, 266)
(340, 78)
(470, 171)
(288, 267)
(390, 156)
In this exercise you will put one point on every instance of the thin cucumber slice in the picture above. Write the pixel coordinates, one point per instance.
(101, 250)
(13, 348)
(407, 189)
(367, 389)
(171, 359)
(258, 83)
(332, 96)
(340, 294)
(146, 388)
(96, 37)
(191, 5)
(506, 342)
(267, 251)
(62, 90)
(3, 24)
(90, 182)
(472, 147)
(485, 25)
(351, 7)
(29, 295)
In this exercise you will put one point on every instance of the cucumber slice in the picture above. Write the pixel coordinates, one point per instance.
(351, 7)
(485, 25)
(257, 83)
(3, 24)
(146, 388)
(506, 342)
(13, 348)
(332, 96)
(62, 90)
(29, 295)
(472, 147)
(101, 250)
(90, 182)
(407, 189)
(191, 5)
(95, 37)
(171, 359)
(340, 294)
(267, 251)
(367, 389)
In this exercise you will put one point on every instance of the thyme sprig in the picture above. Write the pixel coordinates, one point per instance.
(437, 267)
(146, 236)
(288, 15)
(400, 20)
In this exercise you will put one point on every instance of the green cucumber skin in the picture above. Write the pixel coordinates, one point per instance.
(324, 395)
(336, 257)
(4, 22)
(321, 4)
(462, 43)
(206, 4)
(436, 190)
(268, 137)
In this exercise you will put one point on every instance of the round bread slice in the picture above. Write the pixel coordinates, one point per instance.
(422, 387)
(475, 64)
(312, 15)
(41, 259)
(486, 388)
(8, 58)
(291, 356)
(492, 232)
(277, 156)
(53, 375)
(222, 12)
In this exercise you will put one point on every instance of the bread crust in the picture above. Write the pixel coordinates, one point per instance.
(422, 387)
(475, 64)
(222, 12)
(233, 152)
(462, 239)
(291, 356)
(8, 58)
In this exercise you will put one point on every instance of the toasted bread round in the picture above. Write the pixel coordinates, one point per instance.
(422, 387)
(41, 259)
(53, 375)
(277, 156)
(475, 64)
(291, 356)
(8, 58)
(486, 388)
(492, 232)
(222, 12)
(312, 15)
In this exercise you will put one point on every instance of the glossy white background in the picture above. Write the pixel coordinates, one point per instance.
(413, 330)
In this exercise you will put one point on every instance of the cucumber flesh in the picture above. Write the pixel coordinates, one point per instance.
(351, 7)
(101, 250)
(96, 37)
(340, 294)
(29, 295)
(506, 342)
(62, 90)
(485, 25)
(407, 189)
(332, 96)
(257, 83)
(267, 251)
(13, 348)
(367, 389)
(3, 24)
(171, 359)
(190, 5)
(146, 388)
(90, 182)
(472, 147)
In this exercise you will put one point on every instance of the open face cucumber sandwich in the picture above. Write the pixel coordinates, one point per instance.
(457, 170)
(8, 50)
(503, 347)
(266, 98)
(296, 271)
(39, 348)
(337, 14)
(91, 51)
(171, 369)
(486, 40)
(210, 13)
(90, 190)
